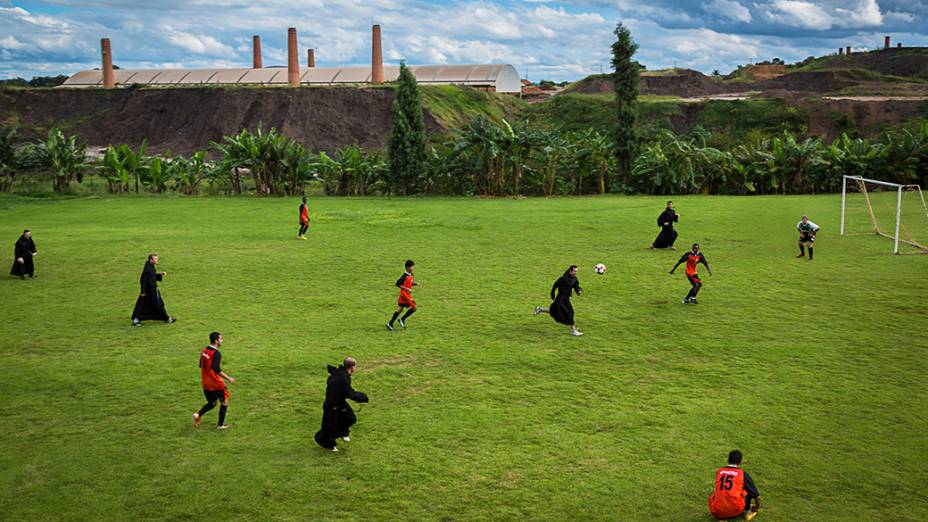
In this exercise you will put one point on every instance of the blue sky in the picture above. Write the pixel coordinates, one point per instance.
(551, 39)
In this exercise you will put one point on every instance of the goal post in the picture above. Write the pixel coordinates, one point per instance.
(892, 210)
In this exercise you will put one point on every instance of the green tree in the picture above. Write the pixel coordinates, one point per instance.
(407, 140)
(64, 156)
(625, 87)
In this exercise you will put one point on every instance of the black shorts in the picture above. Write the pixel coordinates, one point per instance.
(694, 279)
(803, 238)
(216, 395)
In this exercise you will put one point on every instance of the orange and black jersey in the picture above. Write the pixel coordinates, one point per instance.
(692, 260)
(732, 493)
(210, 368)
(405, 282)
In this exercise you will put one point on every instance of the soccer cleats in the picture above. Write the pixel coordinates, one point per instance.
(196, 420)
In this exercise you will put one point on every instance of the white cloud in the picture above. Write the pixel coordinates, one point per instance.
(865, 14)
(705, 45)
(898, 16)
(441, 50)
(729, 9)
(199, 44)
(798, 13)
(848, 15)
(10, 42)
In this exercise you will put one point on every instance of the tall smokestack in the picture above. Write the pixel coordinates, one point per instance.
(293, 61)
(840, 51)
(847, 50)
(376, 57)
(885, 42)
(109, 78)
(310, 58)
(256, 52)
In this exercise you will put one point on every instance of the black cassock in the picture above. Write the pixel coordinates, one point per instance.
(149, 306)
(561, 309)
(668, 235)
(337, 415)
(24, 248)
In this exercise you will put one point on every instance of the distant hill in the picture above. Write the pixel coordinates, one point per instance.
(891, 72)
(673, 82)
(906, 62)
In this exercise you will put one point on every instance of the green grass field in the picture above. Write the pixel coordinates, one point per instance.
(815, 370)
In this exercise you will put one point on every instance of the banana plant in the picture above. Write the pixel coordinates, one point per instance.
(64, 156)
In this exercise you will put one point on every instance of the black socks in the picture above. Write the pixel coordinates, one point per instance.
(408, 313)
(222, 414)
(395, 315)
(206, 407)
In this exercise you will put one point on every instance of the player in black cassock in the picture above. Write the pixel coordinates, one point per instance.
(337, 415)
(149, 305)
(667, 235)
(561, 309)
(22, 256)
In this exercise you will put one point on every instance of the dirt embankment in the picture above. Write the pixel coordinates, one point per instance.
(185, 120)
(683, 83)
(828, 117)
(686, 83)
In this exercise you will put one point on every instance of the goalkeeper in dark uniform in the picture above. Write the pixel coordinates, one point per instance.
(807, 231)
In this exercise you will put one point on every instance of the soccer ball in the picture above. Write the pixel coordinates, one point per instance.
(599, 268)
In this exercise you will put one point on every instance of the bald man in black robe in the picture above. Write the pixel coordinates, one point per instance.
(337, 415)
(149, 306)
(22, 256)
(668, 235)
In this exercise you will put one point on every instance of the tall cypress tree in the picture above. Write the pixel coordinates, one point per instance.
(625, 88)
(407, 140)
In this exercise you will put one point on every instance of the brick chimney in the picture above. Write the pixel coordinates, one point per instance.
(256, 52)
(848, 50)
(293, 62)
(376, 57)
(310, 58)
(885, 42)
(840, 51)
(109, 78)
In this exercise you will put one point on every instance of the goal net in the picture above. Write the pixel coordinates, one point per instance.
(891, 210)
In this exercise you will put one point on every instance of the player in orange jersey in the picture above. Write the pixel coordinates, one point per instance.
(692, 258)
(405, 284)
(214, 388)
(733, 491)
(304, 219)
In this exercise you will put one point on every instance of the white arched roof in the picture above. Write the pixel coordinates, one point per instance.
(502, 78)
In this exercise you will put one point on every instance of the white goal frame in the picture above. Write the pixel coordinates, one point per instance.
(899, 188)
